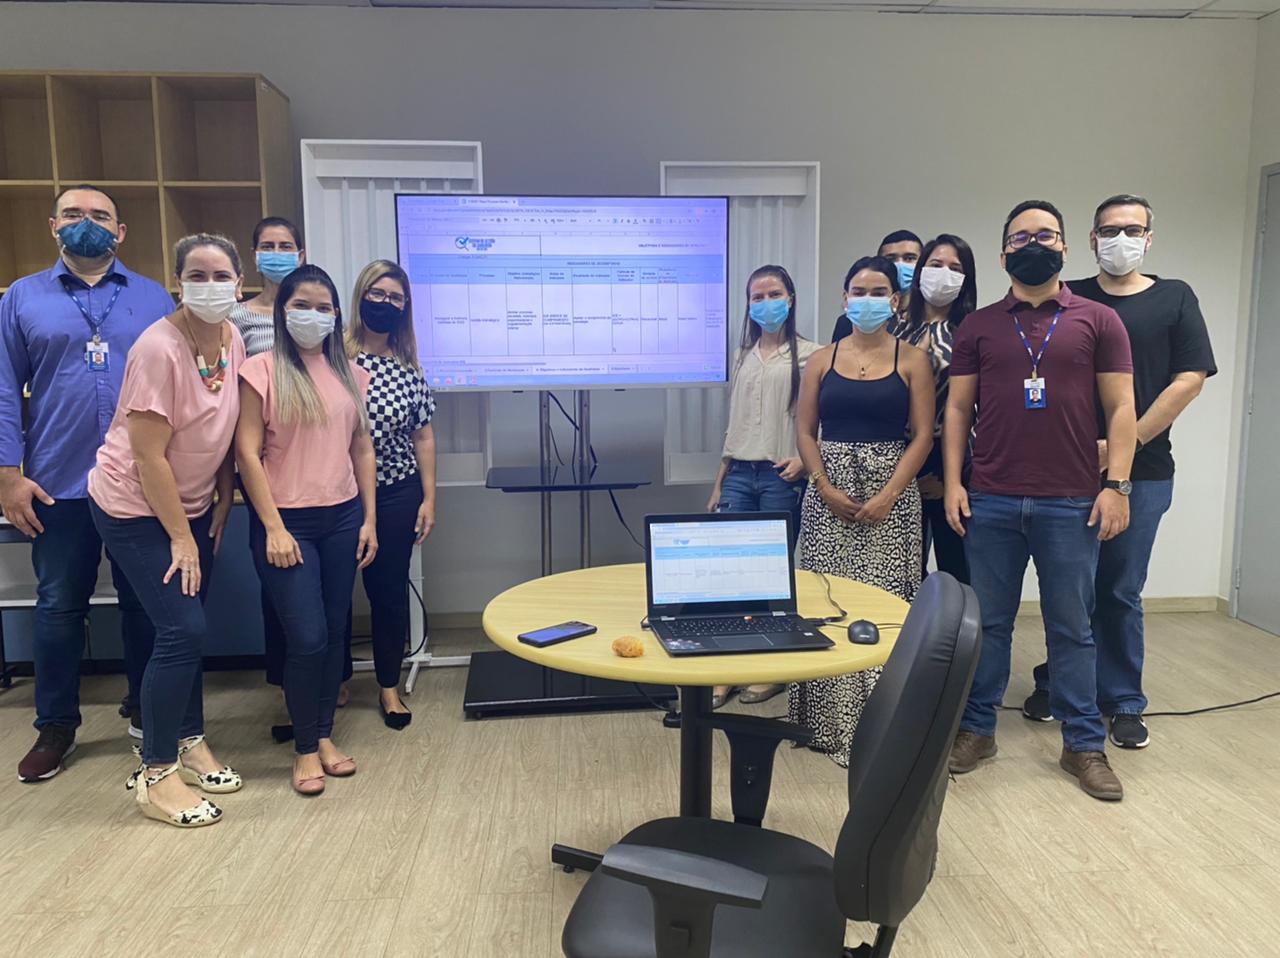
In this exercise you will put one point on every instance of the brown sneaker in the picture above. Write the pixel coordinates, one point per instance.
(45, 759)
(969, 749)
(1094, 773)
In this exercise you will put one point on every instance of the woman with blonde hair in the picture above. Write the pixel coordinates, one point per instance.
(306, 461)
(381, 341)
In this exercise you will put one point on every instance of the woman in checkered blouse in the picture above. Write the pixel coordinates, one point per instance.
(380, 339)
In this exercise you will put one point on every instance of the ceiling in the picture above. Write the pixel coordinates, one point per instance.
(1165, 9)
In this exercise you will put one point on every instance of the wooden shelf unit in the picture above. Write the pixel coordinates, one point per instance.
(181, 153)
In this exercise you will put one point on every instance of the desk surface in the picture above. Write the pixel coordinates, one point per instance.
(612, 598)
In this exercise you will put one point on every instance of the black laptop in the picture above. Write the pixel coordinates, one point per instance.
(724, 583)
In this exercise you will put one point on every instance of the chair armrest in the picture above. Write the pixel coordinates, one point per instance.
(685, 889)
(753, 740)
(695, 877)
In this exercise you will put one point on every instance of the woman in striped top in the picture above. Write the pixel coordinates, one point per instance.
(943, 291)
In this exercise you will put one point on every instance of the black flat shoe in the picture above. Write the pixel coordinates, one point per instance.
(395, 720)
(282, 733)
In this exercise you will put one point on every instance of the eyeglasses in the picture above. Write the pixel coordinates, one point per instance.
(382, 296)
(75, 216)
(1133, 231)
(1041, 237)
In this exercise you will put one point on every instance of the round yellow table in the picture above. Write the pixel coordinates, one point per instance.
(613, 599)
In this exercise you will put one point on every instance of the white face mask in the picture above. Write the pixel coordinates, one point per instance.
(309, 327)
(1121, 255)
(210, 302)
(940, 286)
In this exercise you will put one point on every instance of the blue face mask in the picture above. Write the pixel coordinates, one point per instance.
(906, 273)
(87, 239)
(275, 266)
(770, 314)
(869, 313)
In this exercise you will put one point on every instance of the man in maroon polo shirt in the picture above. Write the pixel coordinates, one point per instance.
(1036, 365)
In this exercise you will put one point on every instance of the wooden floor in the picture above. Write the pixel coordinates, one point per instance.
(438, 847)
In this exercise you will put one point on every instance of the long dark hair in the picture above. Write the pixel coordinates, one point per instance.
(751, 330)
(296, 397)
(877, 264)
(967, 301)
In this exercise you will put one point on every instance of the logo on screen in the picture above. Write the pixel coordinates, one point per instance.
(473, 244)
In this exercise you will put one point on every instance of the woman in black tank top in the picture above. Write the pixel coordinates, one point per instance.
(864, 426)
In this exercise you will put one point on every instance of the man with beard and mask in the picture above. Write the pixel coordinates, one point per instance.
(1172, 357)
(1037, 364)
(64, 334)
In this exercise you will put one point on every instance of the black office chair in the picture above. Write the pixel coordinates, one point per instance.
(701, 888)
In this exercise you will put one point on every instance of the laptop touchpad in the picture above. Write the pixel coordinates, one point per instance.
(737, 641)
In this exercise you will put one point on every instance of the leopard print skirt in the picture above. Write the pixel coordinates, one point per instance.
(885, 555)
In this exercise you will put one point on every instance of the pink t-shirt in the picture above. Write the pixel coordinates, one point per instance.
(161, 377)
(308, 465)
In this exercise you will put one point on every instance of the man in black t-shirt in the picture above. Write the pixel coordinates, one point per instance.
(1171, 360)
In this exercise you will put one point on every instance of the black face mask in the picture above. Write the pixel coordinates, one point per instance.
(381, 317)
(1033, 265)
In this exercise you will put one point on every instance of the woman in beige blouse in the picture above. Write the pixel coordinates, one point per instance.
(759, 468)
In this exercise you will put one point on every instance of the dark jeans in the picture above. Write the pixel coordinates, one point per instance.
(386, 578)
(65, 558)
(172, 693)
(757, 487)
(948, 548)
(312, 600)
(1117, 617)
(1000, 537)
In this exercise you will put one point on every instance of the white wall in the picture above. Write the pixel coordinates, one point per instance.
(927, 122)
(1264, 151)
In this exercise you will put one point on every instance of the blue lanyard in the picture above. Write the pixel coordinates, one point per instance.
(94, 328)
(1036, 357)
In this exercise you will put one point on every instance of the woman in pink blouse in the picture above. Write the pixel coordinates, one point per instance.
(160, 494)
(307, 463)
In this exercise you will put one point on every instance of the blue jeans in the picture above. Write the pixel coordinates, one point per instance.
(172, 691)
(1117, 618)
(1000, 537)
(312, 600)
(65, 558)
(757, 487)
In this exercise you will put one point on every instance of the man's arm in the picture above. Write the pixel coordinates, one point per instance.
(16, 490)
(1111, 509)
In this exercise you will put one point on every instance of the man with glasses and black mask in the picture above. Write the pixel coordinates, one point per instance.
(1172, 358)
(1034, 363)
(64, 335)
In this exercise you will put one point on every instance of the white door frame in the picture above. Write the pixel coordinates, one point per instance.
(1255, 297)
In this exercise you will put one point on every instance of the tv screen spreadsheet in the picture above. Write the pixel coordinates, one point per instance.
(740, 561)
(518, 292)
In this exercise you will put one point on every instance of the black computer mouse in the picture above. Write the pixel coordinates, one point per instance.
(863, 632)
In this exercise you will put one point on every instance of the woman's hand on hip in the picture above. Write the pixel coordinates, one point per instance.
(282, 549)
(366, 545)
(789, 470)
(425, 522)
(185, 562)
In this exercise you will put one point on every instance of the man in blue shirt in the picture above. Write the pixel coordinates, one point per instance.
(64, 336)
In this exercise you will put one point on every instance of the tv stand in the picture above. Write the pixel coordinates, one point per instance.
(501, 683)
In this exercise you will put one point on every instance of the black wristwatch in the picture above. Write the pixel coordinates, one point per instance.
(1122, 486)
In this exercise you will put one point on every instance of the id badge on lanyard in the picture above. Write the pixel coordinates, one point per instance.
(1034, 394)
(97, 352)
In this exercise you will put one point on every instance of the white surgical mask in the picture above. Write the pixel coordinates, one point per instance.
(210, 302)
(309, 327)
(1121, 255)
(940, 286)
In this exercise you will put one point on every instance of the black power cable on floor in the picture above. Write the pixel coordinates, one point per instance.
(1187, 712)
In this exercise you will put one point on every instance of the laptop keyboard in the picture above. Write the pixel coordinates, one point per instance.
(735, 625)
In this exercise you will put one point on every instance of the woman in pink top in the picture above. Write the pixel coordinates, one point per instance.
(306, 460)
(152, 496)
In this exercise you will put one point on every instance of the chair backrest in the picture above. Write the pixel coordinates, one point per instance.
(888, 845)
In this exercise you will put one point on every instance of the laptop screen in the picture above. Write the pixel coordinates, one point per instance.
(737, 561)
